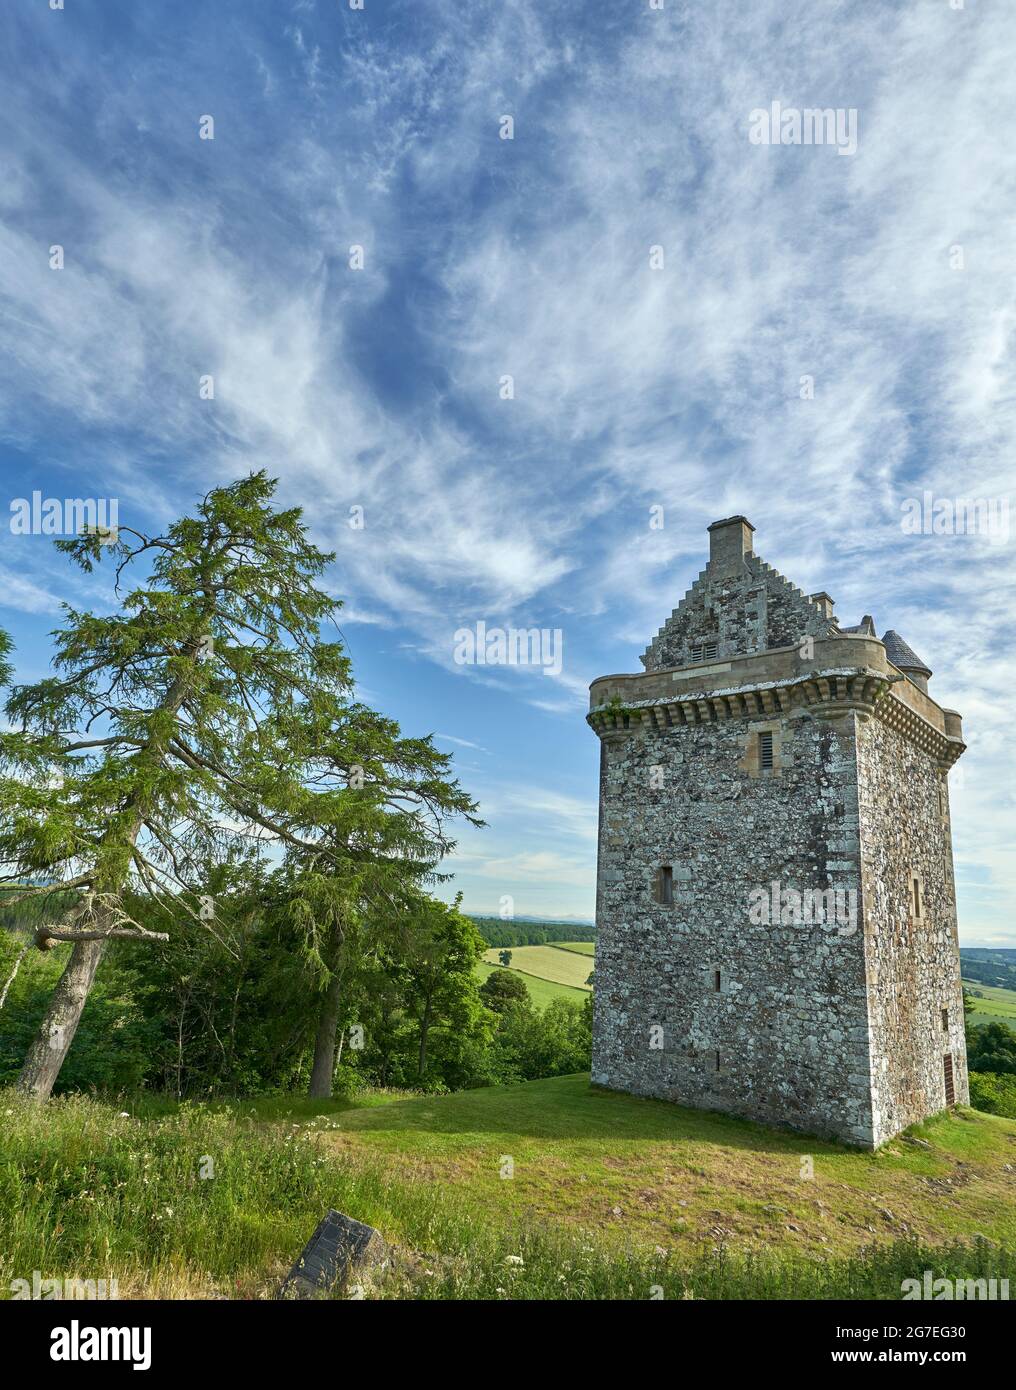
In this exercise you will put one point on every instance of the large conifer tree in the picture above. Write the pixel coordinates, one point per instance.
(209, 714)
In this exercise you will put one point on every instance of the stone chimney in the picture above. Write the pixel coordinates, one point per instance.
(729, 545)
(823, 603)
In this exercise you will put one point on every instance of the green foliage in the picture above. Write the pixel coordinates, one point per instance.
(530, 1043)
(206, 717)
(994, 1092)
(992, 1048)
(116, 1037)
(435, 967)
(515, 933)
(503, 988)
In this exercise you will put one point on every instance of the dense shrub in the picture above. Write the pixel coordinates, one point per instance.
(991, 1047)
(994, 1092)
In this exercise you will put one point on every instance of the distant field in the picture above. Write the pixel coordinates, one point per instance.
(997, 1006)
(541, 992)
(582, 948)
(547, 963)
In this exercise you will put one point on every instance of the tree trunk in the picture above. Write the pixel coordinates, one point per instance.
(324, 1043)
(424, 1030)
(56, 1033)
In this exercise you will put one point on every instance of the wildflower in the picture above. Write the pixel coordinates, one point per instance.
(514, 1260)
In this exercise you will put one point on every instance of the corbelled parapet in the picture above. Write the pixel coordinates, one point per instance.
(825, 677)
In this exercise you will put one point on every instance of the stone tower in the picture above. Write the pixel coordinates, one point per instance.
(776, 910)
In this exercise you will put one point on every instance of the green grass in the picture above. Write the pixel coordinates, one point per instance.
(653, 1173)
(547, 963)
(89, 1193)
(541, 992)
(557, 970)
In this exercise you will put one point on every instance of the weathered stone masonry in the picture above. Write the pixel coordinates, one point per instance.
(710, 989)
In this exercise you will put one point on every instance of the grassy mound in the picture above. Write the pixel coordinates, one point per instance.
(649, 1173)
(610, 1197)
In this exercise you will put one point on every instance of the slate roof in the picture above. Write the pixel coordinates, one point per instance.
(902, 656)
(865, 627)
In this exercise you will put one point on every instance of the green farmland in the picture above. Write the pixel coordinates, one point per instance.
(994, 1006)
(557, 970)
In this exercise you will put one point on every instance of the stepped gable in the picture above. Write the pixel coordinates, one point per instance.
(738, 604)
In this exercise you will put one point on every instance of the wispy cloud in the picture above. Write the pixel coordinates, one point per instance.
(677, 388)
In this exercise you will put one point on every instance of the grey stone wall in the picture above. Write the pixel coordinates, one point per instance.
(789, 1022)
(752, 610)
(912, 961)
(831, 1025)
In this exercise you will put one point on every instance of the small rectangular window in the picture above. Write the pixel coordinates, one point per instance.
(717, 1063)
(717, 982)
(917, 897)
(665, 886)
(950, 1087)
(945, 1020)
(765, 750)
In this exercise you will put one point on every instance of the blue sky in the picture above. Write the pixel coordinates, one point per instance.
(634, 387)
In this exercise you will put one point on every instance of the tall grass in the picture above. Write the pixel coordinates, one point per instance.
(542, 1267)
(204, 1203)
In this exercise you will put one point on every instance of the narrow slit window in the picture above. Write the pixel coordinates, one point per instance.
(717, 982)
(665, 889)
(917, 897)
(945, 1020)
(950, 1085)
(717, 1063)
(765, 750)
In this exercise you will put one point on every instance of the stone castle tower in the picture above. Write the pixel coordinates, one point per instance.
(776, 910)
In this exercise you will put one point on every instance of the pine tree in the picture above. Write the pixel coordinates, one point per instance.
(206, 718)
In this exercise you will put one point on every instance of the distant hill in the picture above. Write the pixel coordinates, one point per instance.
(989, 967)
(531, 917)
(531, 931)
